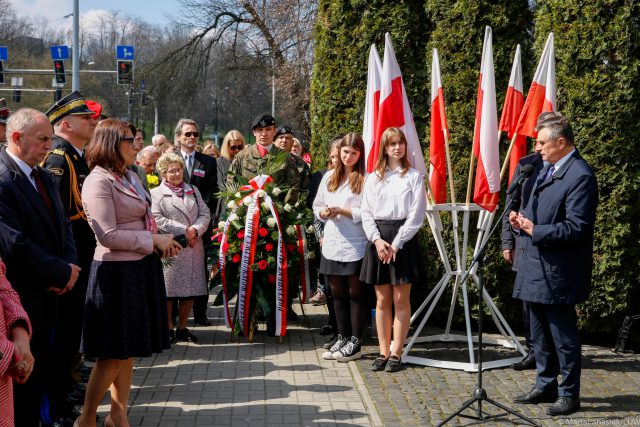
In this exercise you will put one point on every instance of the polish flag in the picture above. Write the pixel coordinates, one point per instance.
(511, 110)
(486, 137)
(395, 111)
(542, 93)
(371, 106)
(437, 154)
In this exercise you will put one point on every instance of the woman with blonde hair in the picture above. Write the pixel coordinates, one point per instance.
(232, 144)
(393, 210)
(338, 205)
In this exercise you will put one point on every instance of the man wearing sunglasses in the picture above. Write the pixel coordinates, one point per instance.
(200, 171)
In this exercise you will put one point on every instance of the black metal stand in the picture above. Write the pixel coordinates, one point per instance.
(479, 394)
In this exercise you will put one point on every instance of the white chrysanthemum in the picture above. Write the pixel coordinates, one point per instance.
(288, 207)
(231, 204)
(221, 225)
(247, 200)
(233, 217)
(237, 195)
(271, 222)
(265, 205)
(262, 193)
(276, 191)
(311, 255)
(291, 230)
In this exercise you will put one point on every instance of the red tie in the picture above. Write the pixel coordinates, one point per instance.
(263, 151)
(42, 190)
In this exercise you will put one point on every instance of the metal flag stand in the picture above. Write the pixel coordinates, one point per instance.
(453, 277)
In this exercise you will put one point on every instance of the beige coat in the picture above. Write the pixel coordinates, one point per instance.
(184, 275)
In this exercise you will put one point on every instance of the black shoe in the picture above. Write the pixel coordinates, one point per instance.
(186, 335)
(292, 315)
(529, 362)
(203, 321)
(327, 330)
(394, 364)
(351, 351)
(76, 397)
(565, 405)
(380, 363)
(327, 345)
(63, 422)
(538, 396)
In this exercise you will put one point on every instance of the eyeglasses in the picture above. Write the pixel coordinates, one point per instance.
(127, 139)
(191, 134)
(235, 147)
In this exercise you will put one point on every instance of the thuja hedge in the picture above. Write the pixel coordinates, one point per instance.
(597, 56)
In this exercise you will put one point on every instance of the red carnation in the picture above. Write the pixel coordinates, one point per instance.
(262, 232)
(262, 264)
(240, 234)
(225, 247)
(269, 247)
(236, 258)
(291, 247)
(271, 278)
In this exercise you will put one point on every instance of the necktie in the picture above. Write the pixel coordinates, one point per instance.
(189, 164)
(42, 191)
(550, 172)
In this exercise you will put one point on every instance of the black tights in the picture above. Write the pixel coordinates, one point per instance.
(350, 303)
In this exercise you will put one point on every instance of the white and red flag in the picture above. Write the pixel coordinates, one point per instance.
(486, 136)
(372, 106)
(395, 111)
(542, 93)
(511, 110)
(439, 126)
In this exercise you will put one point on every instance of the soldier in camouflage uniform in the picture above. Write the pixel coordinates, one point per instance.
(4, 116)
(253, 160)
(73, 123)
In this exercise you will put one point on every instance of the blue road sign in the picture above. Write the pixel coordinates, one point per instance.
(124, 52)
(4, 53)
(59, 52)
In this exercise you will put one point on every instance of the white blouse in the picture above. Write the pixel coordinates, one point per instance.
(394, 197)
(344, 238)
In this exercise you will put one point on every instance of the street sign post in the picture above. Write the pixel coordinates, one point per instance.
(4, 53)
(125, 53)
(59, 52)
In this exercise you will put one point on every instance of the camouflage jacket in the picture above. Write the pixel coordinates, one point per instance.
(294, 174)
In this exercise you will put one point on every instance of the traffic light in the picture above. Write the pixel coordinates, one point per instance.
(1, 72)
(125, 73)
(17, 96)
(57, 95)
(58, 69)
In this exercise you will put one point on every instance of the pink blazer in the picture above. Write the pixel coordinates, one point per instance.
(117, 217)
(11, 311)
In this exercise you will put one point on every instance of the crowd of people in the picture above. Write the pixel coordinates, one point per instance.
(103, 247)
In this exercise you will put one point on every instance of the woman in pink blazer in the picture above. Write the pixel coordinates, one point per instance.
(125, 310)
(16, 361)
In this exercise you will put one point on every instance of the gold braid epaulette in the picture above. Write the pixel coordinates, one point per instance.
(74, 190)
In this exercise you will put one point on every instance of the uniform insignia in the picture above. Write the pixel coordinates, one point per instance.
(58, 151)
(56, 171)
(75, 157)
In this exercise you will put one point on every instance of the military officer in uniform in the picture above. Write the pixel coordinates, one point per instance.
(73, 123)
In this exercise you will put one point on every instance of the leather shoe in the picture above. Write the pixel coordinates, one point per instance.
(565, 405)
(529, 362)
(538, 396)
(203, 321)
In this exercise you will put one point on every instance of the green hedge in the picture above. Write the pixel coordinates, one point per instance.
(597, 55)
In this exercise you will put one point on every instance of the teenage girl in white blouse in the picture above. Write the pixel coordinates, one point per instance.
(338, 204)
(393, 209)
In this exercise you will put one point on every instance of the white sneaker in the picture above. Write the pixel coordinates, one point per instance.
(341, 342)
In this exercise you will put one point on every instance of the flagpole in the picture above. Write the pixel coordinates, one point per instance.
(454, 213)
(471, 164)
(506, 159)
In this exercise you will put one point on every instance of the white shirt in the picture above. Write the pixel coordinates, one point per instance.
(25, 168)
(344, 238)
(557, 165)
(394, 197)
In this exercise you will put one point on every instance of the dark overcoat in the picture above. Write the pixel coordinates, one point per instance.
(556, 261)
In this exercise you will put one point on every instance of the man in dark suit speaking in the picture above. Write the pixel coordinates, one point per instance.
(556, 256)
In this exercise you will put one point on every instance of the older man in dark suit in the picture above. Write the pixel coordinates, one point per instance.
(36, 244)
(510, 244)
(554, 270)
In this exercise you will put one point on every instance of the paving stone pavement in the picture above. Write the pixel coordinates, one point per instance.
(229, 382)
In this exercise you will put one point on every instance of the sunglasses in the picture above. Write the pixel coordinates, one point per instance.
(190, 134)
(127, 139)
(236, 147)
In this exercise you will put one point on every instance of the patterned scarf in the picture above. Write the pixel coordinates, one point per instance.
(149, 220)
(183, 189)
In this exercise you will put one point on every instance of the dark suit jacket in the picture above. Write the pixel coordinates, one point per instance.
(36, 248)
(56, 163)
(204, 177)
(518, 201)
(556, 262)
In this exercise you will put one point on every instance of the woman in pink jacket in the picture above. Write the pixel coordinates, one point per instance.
(16, 361)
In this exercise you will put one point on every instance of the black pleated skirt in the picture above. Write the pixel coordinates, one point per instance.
(340, 268)
(125, 310)
(405, 269)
